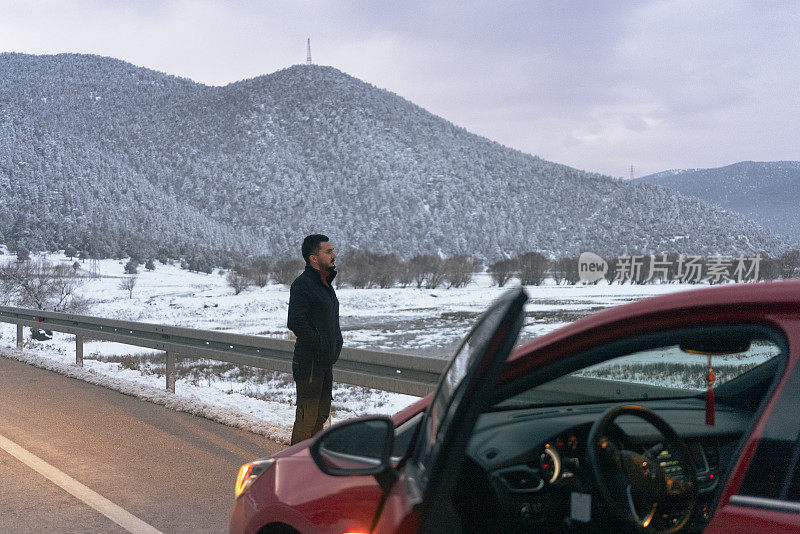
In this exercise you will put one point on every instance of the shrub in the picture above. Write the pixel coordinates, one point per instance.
(132, 267)
(285, 271)
(42, 285)
(258, 271)
(769, 268)
(458, 270)
(385, 271)
(358, 268)
(127, 284)
(237, 281)
(612, 269)
(532, 267)
(427, 269)
(502, 271)
(790, 264)
(404, 274)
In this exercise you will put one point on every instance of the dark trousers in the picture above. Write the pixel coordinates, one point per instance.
(313, 404)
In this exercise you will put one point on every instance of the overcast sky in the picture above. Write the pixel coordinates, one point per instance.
(599, 85)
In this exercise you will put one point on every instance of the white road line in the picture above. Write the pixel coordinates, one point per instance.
(118, 515)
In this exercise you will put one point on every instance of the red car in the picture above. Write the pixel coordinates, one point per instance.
(674, 413)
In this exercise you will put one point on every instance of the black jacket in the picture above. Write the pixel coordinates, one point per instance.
(314, 319)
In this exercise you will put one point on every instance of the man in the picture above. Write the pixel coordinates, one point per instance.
(314, 318)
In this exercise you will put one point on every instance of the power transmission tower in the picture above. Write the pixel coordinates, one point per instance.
(308, 52)
(631, 172)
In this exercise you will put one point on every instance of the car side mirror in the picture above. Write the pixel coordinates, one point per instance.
(358, 447)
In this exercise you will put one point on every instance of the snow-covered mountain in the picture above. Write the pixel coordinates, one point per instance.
(767, 192)
(114, 158)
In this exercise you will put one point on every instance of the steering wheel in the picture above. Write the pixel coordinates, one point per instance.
(634, 485)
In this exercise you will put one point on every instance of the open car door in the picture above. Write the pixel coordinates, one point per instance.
(420, 501)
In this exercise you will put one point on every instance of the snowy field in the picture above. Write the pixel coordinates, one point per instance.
(409, 320)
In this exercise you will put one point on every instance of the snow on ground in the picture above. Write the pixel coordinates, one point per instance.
(409, 320)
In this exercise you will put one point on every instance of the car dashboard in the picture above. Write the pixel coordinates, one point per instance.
(534, 458)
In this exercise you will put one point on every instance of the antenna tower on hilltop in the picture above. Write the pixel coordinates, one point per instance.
(308, 52)
(631, 172)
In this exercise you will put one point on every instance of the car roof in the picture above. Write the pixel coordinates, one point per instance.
(772, 297)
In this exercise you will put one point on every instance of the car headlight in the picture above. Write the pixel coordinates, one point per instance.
(248, 474)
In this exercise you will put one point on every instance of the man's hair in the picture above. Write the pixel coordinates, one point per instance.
(311, 245)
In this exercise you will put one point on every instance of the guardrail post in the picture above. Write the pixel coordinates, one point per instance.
(79, 350)
(170, 371)
(19, 336)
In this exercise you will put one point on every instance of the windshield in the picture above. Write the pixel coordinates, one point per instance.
(666, 371)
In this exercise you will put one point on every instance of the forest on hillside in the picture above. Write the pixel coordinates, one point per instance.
(121, 161)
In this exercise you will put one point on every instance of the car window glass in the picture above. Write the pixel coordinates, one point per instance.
(463, 363)
(662, 372)
(765, 476)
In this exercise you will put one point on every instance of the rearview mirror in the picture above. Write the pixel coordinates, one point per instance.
(716, 344)
(359, 447)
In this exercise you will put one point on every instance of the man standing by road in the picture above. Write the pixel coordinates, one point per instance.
(314, 318)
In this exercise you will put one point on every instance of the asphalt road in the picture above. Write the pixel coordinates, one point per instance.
(69, 449)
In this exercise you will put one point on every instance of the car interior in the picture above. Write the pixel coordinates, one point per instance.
(628, 436)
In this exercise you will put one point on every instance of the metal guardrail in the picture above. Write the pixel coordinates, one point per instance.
(399, 373)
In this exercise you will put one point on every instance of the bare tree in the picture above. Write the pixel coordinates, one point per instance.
(358, 268)
(258, 271)
(385, 270)
(532, 268)
(428, 269)
(769, 268)
(128, 284)
(416, 269)
(404, 274)
(42, 285)
(237, 281)
(285, 271)
(502, 271)
(790, 264)
(611, 273)
(558, 271)
(571, 270)
(458, 270)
